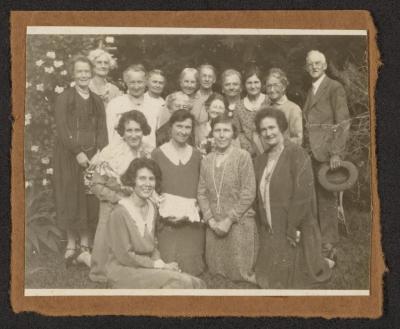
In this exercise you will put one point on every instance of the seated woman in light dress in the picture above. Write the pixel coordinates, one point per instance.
(106, 169)
(133, 258)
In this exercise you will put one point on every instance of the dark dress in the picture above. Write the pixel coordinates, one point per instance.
(80, 127)
(293, 208)
(183, 243)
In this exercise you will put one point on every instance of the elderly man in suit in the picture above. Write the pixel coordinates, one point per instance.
(327, 123)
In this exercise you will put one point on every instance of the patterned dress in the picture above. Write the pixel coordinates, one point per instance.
(243, 118)
(233, 255)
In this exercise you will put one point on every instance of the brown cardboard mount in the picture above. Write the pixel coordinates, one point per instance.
(328, 307)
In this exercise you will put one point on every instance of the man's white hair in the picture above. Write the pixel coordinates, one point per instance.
(317, 53)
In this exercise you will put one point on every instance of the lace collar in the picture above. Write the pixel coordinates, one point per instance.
(136, 216)
(253, 106)
(177, 158)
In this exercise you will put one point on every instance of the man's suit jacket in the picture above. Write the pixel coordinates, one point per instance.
(327, 119)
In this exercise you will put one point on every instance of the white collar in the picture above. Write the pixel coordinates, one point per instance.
(140, 222)
(256, 105)
(177, 158)
(317, 83)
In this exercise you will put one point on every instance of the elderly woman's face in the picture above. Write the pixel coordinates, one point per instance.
(180, 103)
(136, 83)
(231, 86)
(223, 135)
(144, 184)
(133, 134)
(188, 83)
(156, 84)
(217, 107)
(274, 88)
(253, 85)
(101, 66)
(270, 132)
(181, 130)
(82, 74)
(207, 78)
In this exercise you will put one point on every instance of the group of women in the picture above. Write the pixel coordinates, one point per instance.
(202, 181)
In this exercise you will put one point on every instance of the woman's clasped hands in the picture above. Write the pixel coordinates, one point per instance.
(222, 227)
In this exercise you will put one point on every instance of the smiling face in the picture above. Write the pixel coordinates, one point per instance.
(231, 86)
(223, 135)
(133, 134)
(180, 102)
(270, 132)
(156, 84)
(181, 130)
(217, 107)
(253, 85)
(101, 66)
(82, 74)
(188, 83)
(135, 82)
(275, 89)
(316, 65)
(144, 184)
(207, 78)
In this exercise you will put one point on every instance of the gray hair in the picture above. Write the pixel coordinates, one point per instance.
(171, 98)
(317, 53)
(279, 74)
(188, 70)
(135, 68)
(96, 53)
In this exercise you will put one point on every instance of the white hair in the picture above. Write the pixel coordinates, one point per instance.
(317, 53)
(96, 53)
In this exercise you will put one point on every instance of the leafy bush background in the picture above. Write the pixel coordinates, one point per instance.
(47, 76)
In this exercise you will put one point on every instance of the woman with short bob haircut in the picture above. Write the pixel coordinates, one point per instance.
(290, 240)
(249, 106)
(181, 234)
(106, 169)
(133, 259)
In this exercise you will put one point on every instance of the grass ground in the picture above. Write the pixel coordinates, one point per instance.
(47, 270)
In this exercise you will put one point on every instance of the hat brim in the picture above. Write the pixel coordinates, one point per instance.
(336, 187)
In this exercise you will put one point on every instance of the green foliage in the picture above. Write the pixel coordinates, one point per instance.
(40, 221)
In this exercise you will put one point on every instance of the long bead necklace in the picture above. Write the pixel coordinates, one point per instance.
(219, 190)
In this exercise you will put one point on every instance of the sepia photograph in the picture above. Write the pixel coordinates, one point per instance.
(197, 161)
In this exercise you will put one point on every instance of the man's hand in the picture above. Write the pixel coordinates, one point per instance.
(335, 162)
(82, 159)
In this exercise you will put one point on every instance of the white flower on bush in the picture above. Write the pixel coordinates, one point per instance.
(28, 84)
(58, 63)
(34, 148)
(63, 72)
(39, 62)
(110, 39)
(59, 89)
(28, 184)
(40, 87)
(45, 182)
(28, 118)
(45, 160)
(51, 54)
(72, 84)
(49, 171)
(49, 69)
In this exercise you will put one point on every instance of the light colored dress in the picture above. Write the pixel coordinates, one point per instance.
(109, 165)
(132, 252)
(110, 91)
(233, 255)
